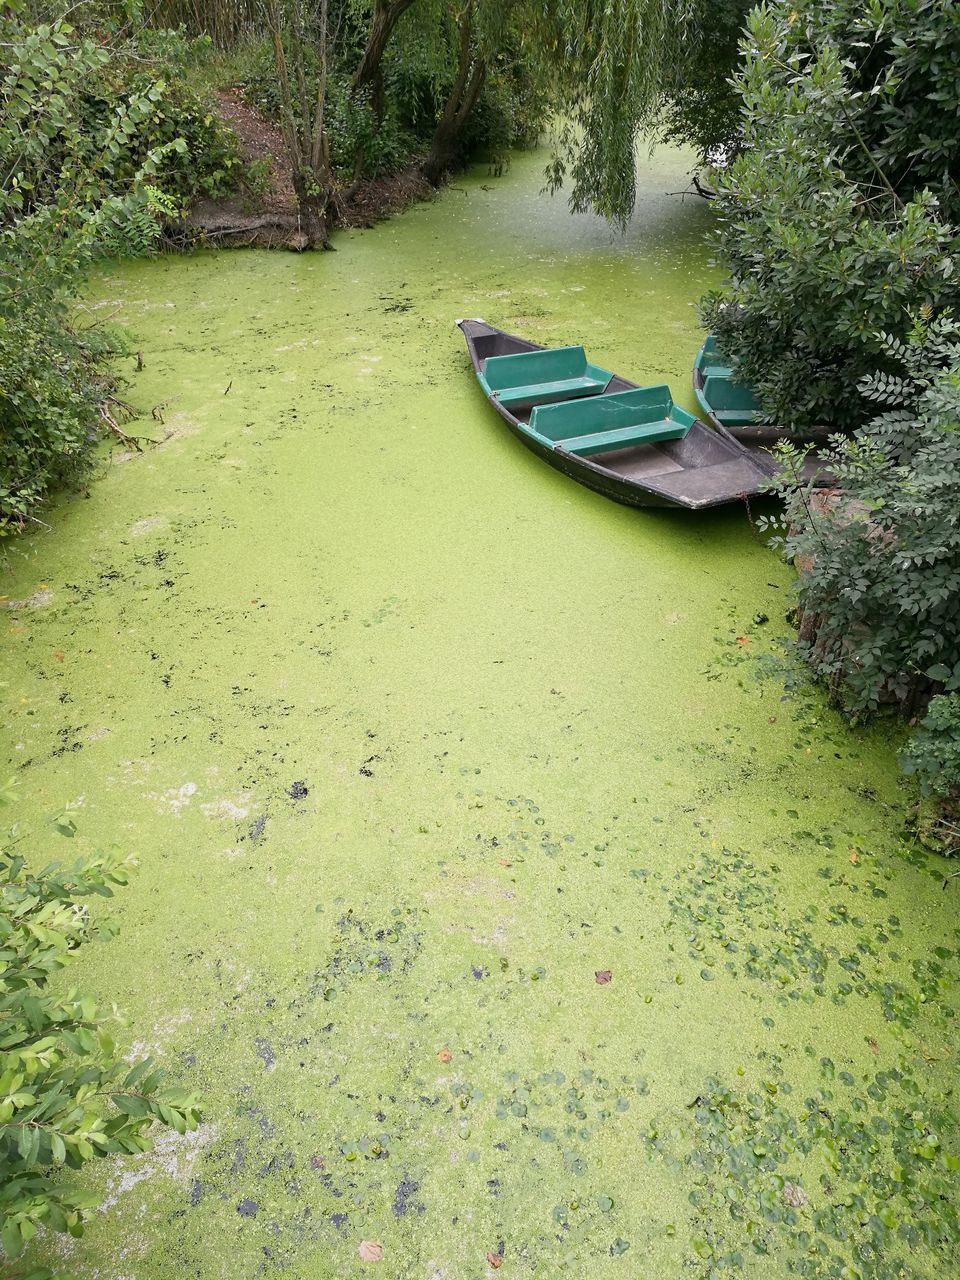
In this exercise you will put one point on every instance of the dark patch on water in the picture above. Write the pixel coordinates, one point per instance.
(403, 1201)
(265, 1052)
(298, 791)
(247, 1208)
(256, 830)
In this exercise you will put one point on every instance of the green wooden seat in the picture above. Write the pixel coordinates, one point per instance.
(624, 438)
(711, 362)
(542, 377)
(732, 403)
(642, 415)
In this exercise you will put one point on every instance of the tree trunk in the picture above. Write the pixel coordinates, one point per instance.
(312, 207)
(471, 74)
(303, 125)
(386, 15)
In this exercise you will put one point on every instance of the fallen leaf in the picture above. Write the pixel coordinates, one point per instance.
(874, 1047)
(603, 977)
(370, 1251)
(794, 1196)
(495, 1261)
(853, 858)
(743, 639)
(59, 655)
(444, 1054)
(504, 863)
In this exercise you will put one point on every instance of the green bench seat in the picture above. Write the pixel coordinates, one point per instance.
(549, 392)
(712, 363)
(604, 441)
(736, 417)
(732, 403)
(542, 377)
(642, 415)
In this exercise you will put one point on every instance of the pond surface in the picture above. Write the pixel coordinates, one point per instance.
(493, 895)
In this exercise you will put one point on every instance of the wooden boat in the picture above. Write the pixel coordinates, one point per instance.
(630, 443)
(733, 406)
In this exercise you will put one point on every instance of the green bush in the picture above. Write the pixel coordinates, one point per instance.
(96, 155)
(66, 1094)
(54, 384)
(882, 558)
(836, 218)
(510, 111)
(933, 751)
(208, 165)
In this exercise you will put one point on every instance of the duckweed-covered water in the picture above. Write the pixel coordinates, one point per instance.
(496, 907)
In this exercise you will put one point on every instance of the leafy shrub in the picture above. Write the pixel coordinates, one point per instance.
(836, 217)
(54, 381)
(933, 751)
(207, 165)
(882, 560)
(66, 1094)
(382, 146)
(92, 168)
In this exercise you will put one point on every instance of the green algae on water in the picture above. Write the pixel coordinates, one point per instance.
(414, 738)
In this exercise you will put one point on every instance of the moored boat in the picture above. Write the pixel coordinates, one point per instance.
(733, 406)
(630, 443)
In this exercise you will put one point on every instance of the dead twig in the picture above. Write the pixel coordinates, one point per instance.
(110, 409)
(698, 189)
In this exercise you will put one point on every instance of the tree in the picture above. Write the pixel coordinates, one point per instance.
(471, 43)
(66, 1094)
(837, 217)
(702, 110)
(609, 72)
(302, 112)
(613, 69)
(369, 75)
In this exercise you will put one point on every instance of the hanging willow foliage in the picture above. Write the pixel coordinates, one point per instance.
(610, 65)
